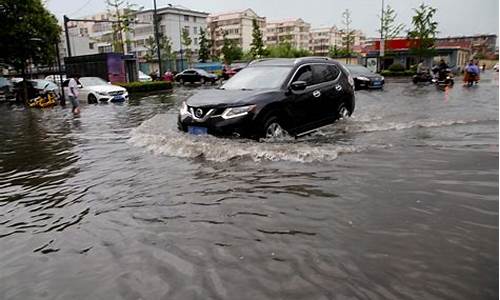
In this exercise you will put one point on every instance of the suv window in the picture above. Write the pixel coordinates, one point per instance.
(324, 73)
(304, 74)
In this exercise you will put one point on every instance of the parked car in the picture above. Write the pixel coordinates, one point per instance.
(55, 78)
(270, 97)
(6, 89)
(195, 75)
(143, 77)
(364, 78)
(96, 90)
(45, 85)
(34, 88)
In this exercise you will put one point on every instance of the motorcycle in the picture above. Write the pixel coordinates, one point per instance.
(443, 77)
(422, 77)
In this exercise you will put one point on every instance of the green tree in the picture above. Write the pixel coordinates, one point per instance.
(204, 51)
(230, 51)
(389, 28)
(286, 50)
(28, 32)
(150, 45)
(257, 46)
(186, 42)
(424, 31)
(348, 34)
(123, 13)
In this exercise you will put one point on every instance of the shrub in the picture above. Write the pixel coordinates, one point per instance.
(150, 86)
(397, 68)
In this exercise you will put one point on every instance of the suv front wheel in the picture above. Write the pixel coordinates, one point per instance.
(273, 129)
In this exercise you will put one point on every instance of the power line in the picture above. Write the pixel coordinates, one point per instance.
(83, 6)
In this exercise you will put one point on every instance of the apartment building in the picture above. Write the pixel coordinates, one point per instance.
(322, 39)
(236, 26)
(173, 20)
(295, 31)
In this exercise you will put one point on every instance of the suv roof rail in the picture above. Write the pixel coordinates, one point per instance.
(312, 58)
(262, 59)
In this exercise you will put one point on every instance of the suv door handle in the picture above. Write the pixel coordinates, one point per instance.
(316, 93)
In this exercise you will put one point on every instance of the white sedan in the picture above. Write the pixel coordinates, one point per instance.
(96, 90)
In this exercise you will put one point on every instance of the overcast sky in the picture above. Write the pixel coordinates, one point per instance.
(455, 17)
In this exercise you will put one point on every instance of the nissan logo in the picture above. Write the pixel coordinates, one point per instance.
(198, 113)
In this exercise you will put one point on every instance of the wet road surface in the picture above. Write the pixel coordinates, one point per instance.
(398, 202)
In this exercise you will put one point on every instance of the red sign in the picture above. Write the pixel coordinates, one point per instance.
(399, 44)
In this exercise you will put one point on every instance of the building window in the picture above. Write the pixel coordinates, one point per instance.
(91, 46)
(194, 19)
(186, 29)
(186, 18)
(195, 30)
(195, 41)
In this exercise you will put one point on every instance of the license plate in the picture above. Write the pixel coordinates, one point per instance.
(197, 130)
(377, 83)
(118, 99)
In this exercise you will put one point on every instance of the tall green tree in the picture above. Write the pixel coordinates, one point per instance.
(230, 51)
(424, 31)
(389, 27)
(123, 13)
(186, 42)
(286, 50)
(257, 46)
(204, 51)
(28, 33)
(348, 33)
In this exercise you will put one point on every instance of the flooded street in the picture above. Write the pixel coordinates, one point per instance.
(398, 202)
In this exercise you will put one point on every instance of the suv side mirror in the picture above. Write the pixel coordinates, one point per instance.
(298, 85)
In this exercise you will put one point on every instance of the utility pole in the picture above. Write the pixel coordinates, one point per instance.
(157, 38)
(180, 44)
(68, 45)
(382, 42)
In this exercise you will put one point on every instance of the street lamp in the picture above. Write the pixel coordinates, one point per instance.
(382, 43)
(157, 38)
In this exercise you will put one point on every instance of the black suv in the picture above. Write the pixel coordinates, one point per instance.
(272, 97)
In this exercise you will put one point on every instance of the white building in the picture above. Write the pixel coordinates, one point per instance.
(295, 31)
(173, 20)
(324, 38)
(237, 26)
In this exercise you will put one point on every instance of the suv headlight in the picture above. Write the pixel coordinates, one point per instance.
(235, 112)
(184, 109)
(363, 78)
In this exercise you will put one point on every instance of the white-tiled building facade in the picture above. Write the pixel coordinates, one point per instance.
(236, 26)
(295, 31)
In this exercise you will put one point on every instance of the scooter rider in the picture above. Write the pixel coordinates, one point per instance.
(442, 69)
(471, 72)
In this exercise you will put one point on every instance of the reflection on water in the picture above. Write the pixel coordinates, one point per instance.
(398, 202)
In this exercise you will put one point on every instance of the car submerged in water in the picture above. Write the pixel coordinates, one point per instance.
(364, 78)
(272, 98)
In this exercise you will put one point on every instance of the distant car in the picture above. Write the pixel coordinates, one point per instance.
(364, 78)
(45, 85)
(96, 90)
(495, 67)
(55, 78)
(272, 97)
(6, 89)
(195, 75)
(143, 77)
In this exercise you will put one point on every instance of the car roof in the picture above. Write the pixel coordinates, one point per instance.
(291, 61)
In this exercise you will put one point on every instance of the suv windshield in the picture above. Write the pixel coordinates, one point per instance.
(90, 81)
(265, 77)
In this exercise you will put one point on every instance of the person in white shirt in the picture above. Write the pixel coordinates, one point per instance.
(73, 94)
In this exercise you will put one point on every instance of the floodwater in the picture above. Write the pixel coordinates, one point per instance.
(398, 202)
